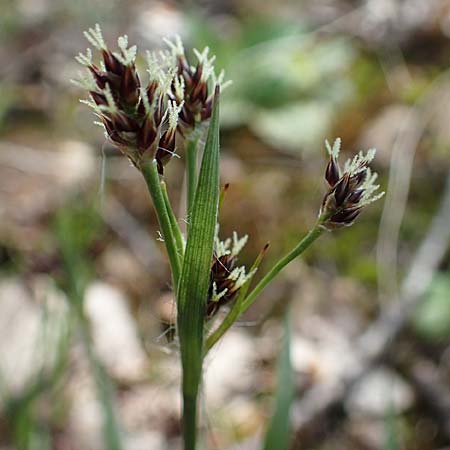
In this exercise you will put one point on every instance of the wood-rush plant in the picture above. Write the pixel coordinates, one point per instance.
(145, 121)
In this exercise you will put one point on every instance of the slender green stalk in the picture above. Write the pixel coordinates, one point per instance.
(234, 314)
(150, 172)
(310, 237)
(191, 163)
(173, 221)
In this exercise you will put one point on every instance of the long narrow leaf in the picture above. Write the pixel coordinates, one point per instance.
(277, 436)
(194, 281)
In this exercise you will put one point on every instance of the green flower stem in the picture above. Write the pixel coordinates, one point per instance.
(234, 314)
(312, 235)
(150, 172)
(191, 162)
(173, 221)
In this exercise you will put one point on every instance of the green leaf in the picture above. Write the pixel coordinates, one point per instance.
(195, 274)
(277, 435)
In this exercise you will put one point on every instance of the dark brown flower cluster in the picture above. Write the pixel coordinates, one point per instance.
(350, 189)
(194, 85)
(226, 277)
(140, 121)
(220, 282)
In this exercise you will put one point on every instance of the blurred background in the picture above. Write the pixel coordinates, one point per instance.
(84, 282)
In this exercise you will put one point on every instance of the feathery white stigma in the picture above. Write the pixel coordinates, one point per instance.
(95, 37)
(334, 151)
(128, 55)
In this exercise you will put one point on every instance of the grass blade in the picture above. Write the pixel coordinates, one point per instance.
(277, 435)
(191, 161)
(195, 275)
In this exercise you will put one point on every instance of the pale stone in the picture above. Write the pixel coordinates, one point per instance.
(379, 392)
(114, 332)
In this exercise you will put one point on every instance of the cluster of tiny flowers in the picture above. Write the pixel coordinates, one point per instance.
(193, 84)
(142, 121)
(350, 189)
(226, 277)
